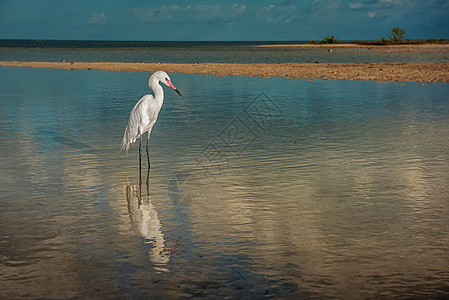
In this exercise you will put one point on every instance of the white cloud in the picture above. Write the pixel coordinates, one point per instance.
(238, 8)
(371, 14)
(96, 17)
(153, 15)
(206, 13)
(277, 14)
(355, 5)
(191, 13)
(326, 4)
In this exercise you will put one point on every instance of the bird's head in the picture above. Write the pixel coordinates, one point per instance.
(163, 77)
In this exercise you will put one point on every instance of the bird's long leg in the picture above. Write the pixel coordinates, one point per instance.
(140, 154)
(148, 181)
(148, 172)
(148, 152)
(140, 162)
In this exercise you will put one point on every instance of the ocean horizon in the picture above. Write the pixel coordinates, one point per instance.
(132, 43)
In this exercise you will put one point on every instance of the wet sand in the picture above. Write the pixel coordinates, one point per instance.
(398, 72)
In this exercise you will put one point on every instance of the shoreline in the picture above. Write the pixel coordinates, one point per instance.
(395, 72)
(381, 48)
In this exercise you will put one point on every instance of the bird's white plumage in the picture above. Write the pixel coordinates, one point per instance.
(144, 114)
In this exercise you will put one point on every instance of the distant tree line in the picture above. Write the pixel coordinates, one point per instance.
(396, 36)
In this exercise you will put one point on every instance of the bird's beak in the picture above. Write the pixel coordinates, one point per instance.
(176, 90)
(173, 87)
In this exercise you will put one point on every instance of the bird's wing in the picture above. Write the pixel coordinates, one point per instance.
(138, 121)
(153, 109)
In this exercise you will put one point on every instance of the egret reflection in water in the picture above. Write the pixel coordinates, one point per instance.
(145, 222)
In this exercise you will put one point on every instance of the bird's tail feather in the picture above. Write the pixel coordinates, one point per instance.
(127, 140)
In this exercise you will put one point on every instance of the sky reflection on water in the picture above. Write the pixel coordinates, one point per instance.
(258, 188)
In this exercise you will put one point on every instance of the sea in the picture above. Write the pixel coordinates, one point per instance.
(200, 52)
(258, 189)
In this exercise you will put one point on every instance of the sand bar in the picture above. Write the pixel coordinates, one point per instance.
(399, 72)
(379, 48)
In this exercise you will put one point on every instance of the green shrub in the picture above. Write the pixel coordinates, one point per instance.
(436, 41)
(330, 40)
(397, 34)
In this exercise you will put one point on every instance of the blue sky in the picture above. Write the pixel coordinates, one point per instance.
(221, 20)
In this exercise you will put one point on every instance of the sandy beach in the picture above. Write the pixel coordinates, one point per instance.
(398, 72)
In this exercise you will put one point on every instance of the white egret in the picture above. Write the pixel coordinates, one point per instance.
(144, 114)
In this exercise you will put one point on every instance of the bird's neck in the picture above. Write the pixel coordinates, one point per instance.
(158, 91)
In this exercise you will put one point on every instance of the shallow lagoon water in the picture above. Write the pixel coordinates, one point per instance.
(259, 188)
